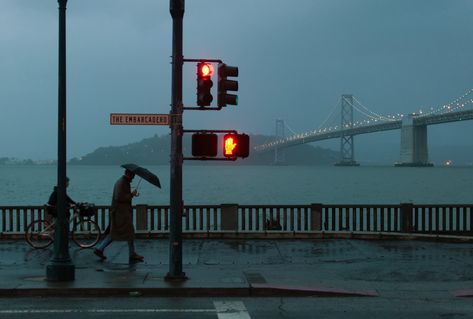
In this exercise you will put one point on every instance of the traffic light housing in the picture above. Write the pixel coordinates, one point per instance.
(204, 144)
(236, 145)
(224, 85)
(204, 83)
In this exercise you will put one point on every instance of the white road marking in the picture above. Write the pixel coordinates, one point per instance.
(231, 310)
(224, 310)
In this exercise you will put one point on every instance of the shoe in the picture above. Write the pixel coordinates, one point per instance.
(100, 254)
(136, 257)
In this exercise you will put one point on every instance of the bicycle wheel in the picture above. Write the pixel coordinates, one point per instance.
(86, 233)
(40, 234)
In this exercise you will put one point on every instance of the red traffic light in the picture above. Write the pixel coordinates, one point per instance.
(236, 145)
(204, 84)
(205, 70)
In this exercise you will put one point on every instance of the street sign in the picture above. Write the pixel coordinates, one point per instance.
(138, 119)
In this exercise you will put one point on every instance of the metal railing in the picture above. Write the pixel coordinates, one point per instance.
(453, 219)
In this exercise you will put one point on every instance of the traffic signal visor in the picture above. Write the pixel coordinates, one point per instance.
(224, 85)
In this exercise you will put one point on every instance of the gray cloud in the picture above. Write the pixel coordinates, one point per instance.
(295, 58)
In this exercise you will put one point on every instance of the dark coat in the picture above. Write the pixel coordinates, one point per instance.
(121, 212)
(52, 202)
(53, 198)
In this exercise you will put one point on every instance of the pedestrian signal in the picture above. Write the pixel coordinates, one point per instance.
(204, 144)
(236, 145)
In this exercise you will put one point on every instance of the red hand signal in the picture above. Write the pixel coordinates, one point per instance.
(229, 145)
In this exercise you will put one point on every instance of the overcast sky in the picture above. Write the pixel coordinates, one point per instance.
(295, 59)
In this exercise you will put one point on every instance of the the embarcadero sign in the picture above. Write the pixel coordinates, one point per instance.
(139, 119)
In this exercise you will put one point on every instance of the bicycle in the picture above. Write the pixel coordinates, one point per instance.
(85, 231)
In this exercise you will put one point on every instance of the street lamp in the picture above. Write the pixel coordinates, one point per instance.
(176, 8)
(61, 267)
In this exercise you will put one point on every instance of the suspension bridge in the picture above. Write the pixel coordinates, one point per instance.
(413, 126)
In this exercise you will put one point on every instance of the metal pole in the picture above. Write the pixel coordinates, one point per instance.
(61, 267)
(176, 8)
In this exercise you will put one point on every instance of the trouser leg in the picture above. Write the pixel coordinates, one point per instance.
(131, 248)
(105, 242)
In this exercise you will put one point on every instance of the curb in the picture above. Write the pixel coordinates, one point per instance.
(125, 292)
(254, 290)
(462, 293)
(268, 290)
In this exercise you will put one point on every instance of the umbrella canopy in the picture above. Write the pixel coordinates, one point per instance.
(143, 173)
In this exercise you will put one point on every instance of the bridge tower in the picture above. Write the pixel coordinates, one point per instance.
(280, 153)
(347, 145)
(414, 151)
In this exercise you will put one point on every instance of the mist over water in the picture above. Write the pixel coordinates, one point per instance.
(31, 185)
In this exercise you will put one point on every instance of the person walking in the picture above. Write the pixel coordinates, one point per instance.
(121, 218)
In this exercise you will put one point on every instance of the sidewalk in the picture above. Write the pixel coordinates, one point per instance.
(250, 268)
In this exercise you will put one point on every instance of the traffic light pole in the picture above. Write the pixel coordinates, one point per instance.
(176, 8)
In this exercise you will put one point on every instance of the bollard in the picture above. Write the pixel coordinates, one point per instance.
(229, 217)
(406, 217)
(316, 216)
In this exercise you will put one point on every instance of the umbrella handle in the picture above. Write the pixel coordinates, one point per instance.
(138, 186)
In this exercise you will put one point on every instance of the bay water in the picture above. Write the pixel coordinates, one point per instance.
(218, 184)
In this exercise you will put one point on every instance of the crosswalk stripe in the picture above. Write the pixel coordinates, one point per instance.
(224, 310)
(231, 310)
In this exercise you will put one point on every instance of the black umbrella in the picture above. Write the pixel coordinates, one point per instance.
(143, 173)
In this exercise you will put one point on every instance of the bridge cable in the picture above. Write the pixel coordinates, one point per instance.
(447, 108)
(376, 114)
(290, 129)
(330, 115)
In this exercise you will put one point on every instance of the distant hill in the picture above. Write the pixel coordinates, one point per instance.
(15, 161)
(155, 151)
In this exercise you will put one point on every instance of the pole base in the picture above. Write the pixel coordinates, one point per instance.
(179, 277)
(60, 272)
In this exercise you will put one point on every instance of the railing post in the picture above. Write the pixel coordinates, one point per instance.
(316, 217)
(470, 215)
(141, 217)
(229, 217)
(406, 217)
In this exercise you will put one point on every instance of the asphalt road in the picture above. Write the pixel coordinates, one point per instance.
(413, 279)
(415, 307)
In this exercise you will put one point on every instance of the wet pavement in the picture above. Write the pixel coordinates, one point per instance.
(325, 267)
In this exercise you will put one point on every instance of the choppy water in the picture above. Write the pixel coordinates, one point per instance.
(31, 185)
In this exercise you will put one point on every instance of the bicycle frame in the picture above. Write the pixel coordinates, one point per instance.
(84, 231)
